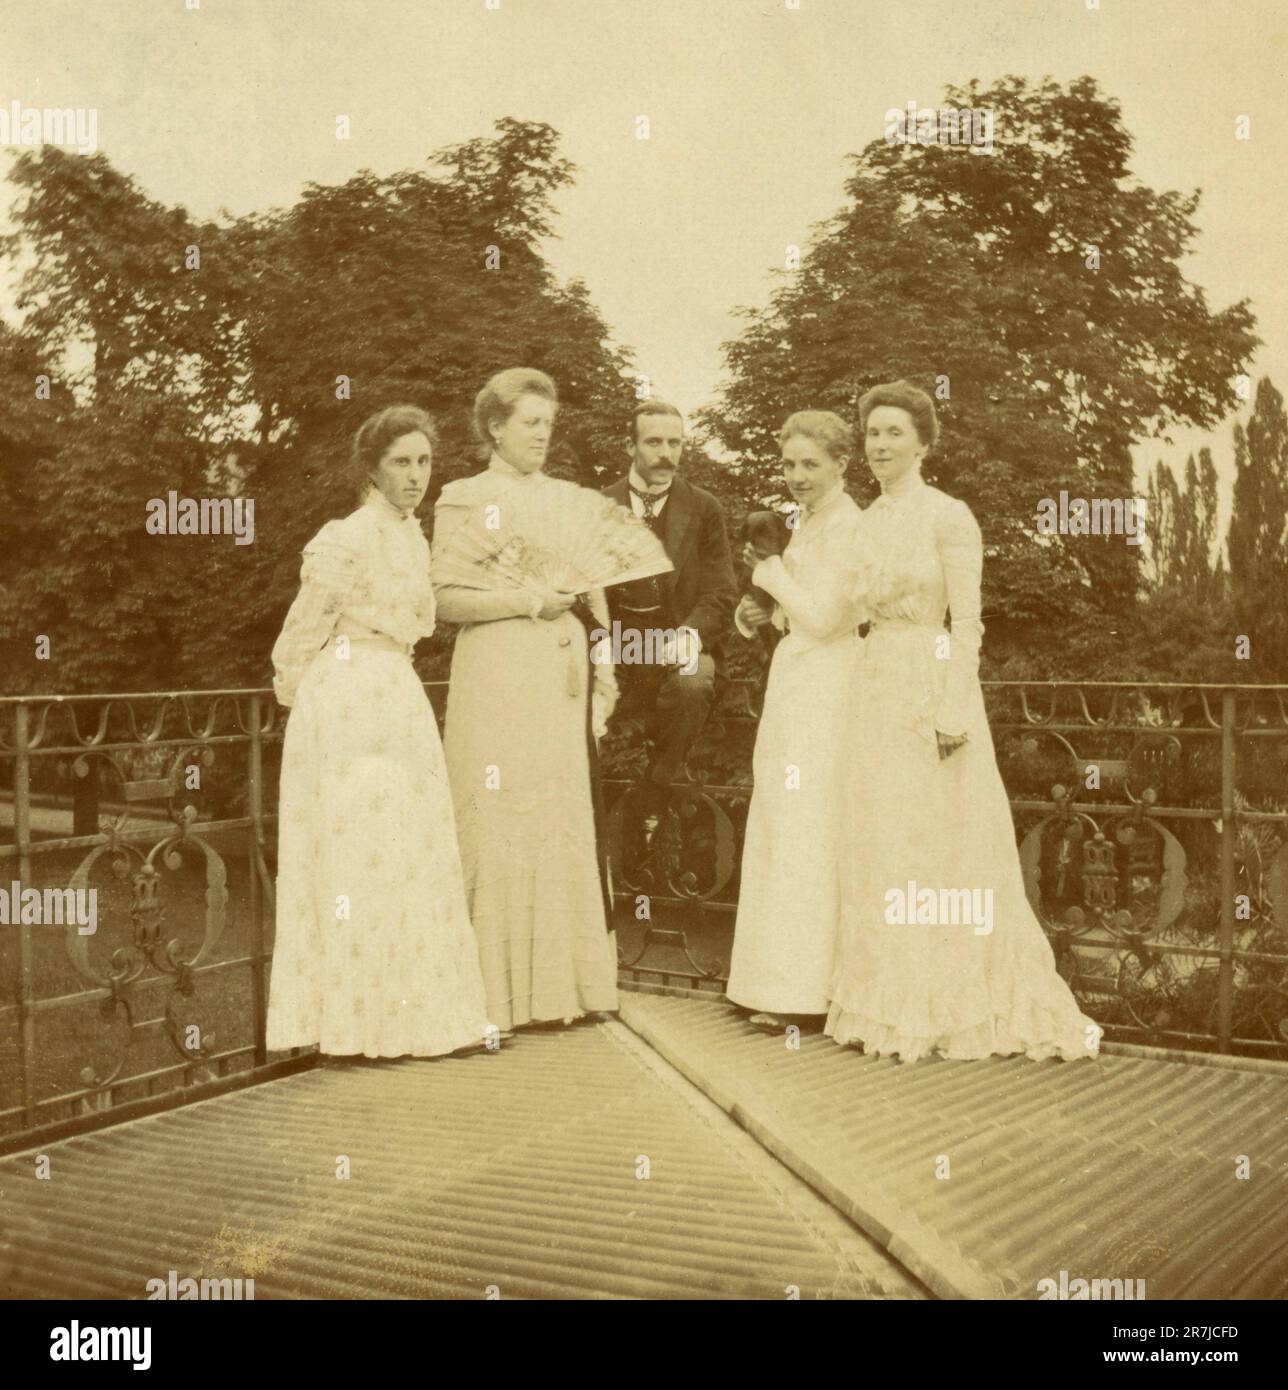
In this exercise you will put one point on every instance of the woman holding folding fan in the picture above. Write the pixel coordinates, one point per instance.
(513, 549)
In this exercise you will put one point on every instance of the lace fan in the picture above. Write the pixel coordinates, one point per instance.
(566, 538)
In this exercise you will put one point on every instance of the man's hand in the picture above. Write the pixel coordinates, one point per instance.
(681, 649)
(752, 614)
(603, 700)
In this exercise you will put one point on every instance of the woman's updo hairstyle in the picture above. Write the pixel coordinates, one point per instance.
(827, 430)
(495, 403)
(379, 431)
(905, 396)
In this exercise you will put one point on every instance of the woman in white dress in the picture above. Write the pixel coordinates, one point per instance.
(374, 951)
(940, 950)
(516, 743)
(789, 902)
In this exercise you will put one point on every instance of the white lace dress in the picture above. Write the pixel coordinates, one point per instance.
(517, 758)
(919, 829)
(374, 951)
(789, 902)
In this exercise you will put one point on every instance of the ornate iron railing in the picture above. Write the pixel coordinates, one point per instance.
(1154, 823)
(156, 747)
(1154, 847)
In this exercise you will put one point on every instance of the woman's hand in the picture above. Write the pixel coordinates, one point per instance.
(949, 744)
(555, 604)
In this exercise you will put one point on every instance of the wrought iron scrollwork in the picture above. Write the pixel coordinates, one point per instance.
(1124, 874)
(673, 848)
(125, 969)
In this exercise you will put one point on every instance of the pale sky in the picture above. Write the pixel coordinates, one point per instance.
(752, 108)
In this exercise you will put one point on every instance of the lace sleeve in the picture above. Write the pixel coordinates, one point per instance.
(961, 553)
(328, 577)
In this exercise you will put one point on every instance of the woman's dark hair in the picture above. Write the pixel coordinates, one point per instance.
(905, 396)
(379, 431)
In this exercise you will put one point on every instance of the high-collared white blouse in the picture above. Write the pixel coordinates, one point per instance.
(812, 582)
(372, 567)
(922, 554)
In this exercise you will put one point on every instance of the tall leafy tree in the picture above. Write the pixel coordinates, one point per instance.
(1038, 291)
(1164, 506)
(411, 287)
(31, 419)
(1182, 528)
(113, 317)
(240, 357)
(114, 286)
(1257, 541)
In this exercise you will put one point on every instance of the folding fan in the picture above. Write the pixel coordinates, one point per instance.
(552, 537)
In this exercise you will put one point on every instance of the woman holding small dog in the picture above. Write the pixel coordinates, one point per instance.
(789, 902)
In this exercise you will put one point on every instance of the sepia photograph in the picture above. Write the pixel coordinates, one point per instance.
(644, 657)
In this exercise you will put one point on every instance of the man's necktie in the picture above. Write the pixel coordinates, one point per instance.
(650, 501)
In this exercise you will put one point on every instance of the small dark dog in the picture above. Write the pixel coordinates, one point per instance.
(769, 533)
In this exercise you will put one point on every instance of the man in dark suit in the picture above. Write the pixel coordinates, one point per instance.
(683, 618)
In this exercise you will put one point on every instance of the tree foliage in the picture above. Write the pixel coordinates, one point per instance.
(1038, 293)
(1184, 544)
(1258, 537)
(219, 373)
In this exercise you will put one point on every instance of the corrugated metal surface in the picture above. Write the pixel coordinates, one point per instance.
(516, 1170)
(1120, 1168)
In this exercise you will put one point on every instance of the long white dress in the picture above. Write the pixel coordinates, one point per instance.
(789, 902)
(920, 830)
(518, 761)
(374, 951)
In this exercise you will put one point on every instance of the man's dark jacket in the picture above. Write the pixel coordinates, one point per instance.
(701, 591)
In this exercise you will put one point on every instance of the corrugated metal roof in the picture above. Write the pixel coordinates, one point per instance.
(1120, 1168)
(516, 1170)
